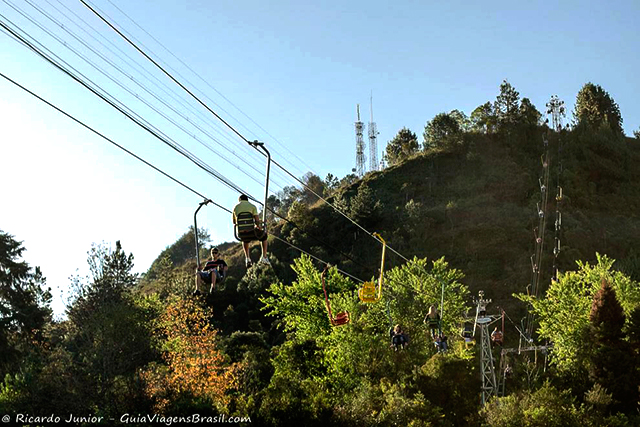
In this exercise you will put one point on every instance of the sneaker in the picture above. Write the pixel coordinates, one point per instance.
(265, 260)
(196, 293)
(247, 262)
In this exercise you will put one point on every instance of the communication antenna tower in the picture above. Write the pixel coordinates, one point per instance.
(360, 159)
(373, 141)
(555, 107)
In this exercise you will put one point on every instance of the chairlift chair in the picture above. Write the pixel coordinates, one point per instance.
(341, 318)
(368, 293)
(245, 227)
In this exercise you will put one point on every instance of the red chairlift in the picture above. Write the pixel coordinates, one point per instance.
(341, 318)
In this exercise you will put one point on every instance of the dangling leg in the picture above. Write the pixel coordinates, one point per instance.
(214, 276)
(263, 243)
(245, 246)
(199, 284)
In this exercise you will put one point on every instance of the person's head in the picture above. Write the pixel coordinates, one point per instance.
(243, 197)
(397, 329)
(432, 309)
(215, 252)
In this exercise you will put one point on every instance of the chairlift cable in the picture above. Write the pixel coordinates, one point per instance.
(252, 143)
(154, 167)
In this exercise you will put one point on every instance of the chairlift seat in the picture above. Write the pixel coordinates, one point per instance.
(368, 293)
(245, 229)
(340, 319)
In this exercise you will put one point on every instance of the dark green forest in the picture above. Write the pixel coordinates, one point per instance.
(463, 204)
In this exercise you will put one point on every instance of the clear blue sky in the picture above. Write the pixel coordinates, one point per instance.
(297, 69)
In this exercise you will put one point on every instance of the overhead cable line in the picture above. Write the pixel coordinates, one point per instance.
(149, 76)
(252, 143)
(197, 161)
(156, 168)
(141, 99)
(209, 85)
(139, 121)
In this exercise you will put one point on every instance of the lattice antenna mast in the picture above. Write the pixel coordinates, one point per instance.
(555, 107)
(539, 232)
(360, 159)
(373, 141)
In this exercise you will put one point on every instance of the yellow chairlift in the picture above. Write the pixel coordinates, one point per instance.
(368, 293)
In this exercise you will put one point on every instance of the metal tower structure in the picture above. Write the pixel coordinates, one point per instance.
(539, 233)
(360, 159)
(555, 107)
(487, 368)
(373, 141)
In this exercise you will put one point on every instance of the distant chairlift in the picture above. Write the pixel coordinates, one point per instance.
(341, 318)
(368, 293)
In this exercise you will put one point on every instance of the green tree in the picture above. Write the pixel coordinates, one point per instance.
(365, 208)
(404, 144)
(595, 107)
(528, 114)
(612, 362)
(24, 302)
(506, 105)
(564, 312)
(483, 118)
(443, 130)
(464, 123)
(331, 183)
(109, 329)
(314, 187)
(546, 406)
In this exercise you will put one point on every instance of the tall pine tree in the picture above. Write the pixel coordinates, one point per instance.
(612, 362)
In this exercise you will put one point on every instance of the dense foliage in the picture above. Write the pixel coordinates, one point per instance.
(464, 207)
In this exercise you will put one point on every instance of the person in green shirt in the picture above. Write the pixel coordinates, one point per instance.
(244, 208)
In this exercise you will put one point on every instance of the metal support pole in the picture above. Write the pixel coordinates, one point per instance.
(266, 183)
(195, 230)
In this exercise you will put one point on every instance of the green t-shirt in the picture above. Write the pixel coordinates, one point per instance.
(244, 206)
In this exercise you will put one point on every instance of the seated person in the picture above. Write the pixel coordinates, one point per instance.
(496, 336)
(442, 343)
(258, 233)
(432, 319)
(213, 272)
(399, 339)
(467, 334)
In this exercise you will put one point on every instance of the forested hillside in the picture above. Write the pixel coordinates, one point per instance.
(461, 209)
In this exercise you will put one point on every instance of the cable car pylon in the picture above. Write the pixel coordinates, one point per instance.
(487, 366)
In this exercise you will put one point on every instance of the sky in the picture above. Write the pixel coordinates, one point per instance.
(286, 73)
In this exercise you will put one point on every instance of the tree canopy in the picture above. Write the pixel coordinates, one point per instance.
(595, 107)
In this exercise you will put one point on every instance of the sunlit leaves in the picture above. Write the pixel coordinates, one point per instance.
(194, 367)
(564, 312)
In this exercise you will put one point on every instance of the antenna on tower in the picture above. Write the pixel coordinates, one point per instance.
(360, 159)
(373, 141)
